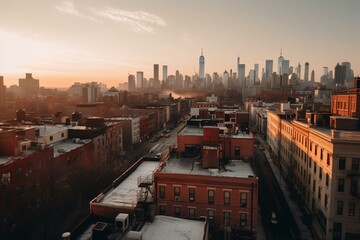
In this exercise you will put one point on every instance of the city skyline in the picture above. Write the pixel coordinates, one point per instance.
(68, 41)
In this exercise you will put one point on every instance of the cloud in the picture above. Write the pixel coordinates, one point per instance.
(139, 21)
(70, 8)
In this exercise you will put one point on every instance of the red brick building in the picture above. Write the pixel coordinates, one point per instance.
(347, 102)
(210, 176)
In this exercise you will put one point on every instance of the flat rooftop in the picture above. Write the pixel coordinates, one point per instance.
(125, 193)
(165, 227)
(197, 131)
(45, 130)
(67, 146)
(235, 168)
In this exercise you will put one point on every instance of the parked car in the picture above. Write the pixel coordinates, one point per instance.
(274, 219)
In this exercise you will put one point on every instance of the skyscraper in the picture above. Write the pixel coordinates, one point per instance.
(312, 80)
(298, 71)
(280, 63)
(140, 80)
(131, 82)
(340, 74)
(202, 66)
(256, 75)
(268, 69)
(242, 74)
(164, 73)
(156, 75)
(285, 66)
(306, 73)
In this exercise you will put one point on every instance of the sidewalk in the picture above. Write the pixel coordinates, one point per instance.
(297, 214)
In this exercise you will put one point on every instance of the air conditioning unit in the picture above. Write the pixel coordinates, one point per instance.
(177, 198)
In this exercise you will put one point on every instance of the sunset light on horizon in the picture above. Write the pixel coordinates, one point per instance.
(62, 42)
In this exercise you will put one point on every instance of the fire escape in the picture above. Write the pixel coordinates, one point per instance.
(145, 208)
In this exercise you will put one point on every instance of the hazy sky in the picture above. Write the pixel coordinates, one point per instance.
(101, 40)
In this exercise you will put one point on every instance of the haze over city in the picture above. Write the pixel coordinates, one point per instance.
(65, 41)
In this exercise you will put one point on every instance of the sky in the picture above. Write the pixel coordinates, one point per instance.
(62, 42)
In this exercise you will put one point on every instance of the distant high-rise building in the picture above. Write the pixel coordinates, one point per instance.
(256, 69)
(91, 92)
(28, 85)
(140, 80)
(242, 74)
(226, 78)
(268, 69)
(202, 66)
(2, 95)
(298, 71)
(306, 73)
(349, 74)
(280, 63)
(131, 82)
(340, 74)
(156, 76)
(216, 78)
(326, 71)
(165, 73)
(312, 79)
(285, 66)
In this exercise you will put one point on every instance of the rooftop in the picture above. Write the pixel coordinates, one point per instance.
(197, 131)
(235, 168)
(125, 193)
(165, 227)
(50, 129)
(67, 146)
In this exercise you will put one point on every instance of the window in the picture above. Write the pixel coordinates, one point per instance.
(191, 194)
(321, 154)
(328, 159)
(314, 184)
(355, 164)
(320, 173)
(316, 147)
(310, 146)
(237, 152)
(162, 192)
(342, 162)
(191, 212)
(211, 214)
(176, 192)
(314, 167)
(5, 178)
(319, 193)
(327, 180)
(226, 218)
(162, 209)
(243, 219)
(227, 197)
(243, 199)
(211, 194)
(326, 201)
(341, 184)
(352, 208)
(339, 207)
(62, 135)
(354, 186)
(51, 138)
(177, 211)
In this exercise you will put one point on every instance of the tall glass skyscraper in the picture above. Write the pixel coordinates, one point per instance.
(268, 69)
(202, 66)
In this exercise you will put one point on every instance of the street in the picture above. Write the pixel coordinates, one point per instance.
(271, 200)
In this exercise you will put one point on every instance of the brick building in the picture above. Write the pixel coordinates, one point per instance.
(210, 176)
